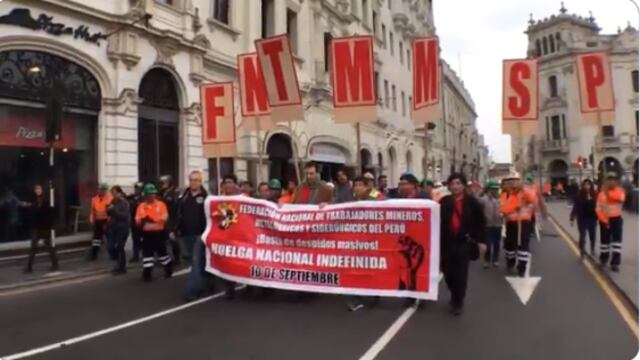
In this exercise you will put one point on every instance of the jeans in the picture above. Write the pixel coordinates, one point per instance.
(198, 279)
(36, 236)
(188, 242)
(587, 227)
(494, 235)
(116, 240)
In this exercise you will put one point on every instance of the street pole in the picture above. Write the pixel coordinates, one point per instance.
(259, 148)
(358, 155)
(425, 143)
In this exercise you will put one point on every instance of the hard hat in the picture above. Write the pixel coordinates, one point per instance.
(514, 175)
(528, 179)
(427, 182)
(103, 187)
(493, 184)
(612, 175)
(369, 176)
(275, 184)
(150, 189)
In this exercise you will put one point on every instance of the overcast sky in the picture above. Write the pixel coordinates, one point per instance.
(483, 33)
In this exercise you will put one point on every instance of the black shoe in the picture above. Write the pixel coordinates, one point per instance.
(615, 268)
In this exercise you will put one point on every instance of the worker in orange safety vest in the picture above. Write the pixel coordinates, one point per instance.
(98, 218)
(151, 217)
(609, 211)
(517, 206)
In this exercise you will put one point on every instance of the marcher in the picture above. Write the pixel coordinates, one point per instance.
(191, 223)
(383, 184)
(169, 195)
(539, 205)
(474, 189)
(288, 196)
(41, 226)
(152, 216)
(408, 187)
(427, 187)
(247, 188)
(490, 201)
(264, 192)
(547, 188)
(461, 228)
(275, 190)
(134, 200)
(118, 228)
(230, 188)
(370, 183)
(517, 205)
(343, 190)
(313, 190)
(584, 210)
(362, 191)
(609, 211)
(98, 219)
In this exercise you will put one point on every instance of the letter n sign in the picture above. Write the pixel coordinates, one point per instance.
(218, 123)
(352, 77)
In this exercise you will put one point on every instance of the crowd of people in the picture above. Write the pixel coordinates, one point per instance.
(476, 219)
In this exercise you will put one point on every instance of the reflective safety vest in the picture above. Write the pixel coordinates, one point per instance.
(518, 206)
(609, 204)
(99, 208)
(156, 212)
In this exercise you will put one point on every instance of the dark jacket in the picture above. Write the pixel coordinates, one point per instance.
(584, 209)
(170, 197)
(134, 200)
(344, 193)
(119, 214)
(472, 225)
(190, 216)
(41, 214)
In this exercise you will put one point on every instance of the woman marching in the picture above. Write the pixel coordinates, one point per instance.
(584, 210)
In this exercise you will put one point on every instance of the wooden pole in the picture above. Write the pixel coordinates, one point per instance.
(294, 151)
(425, 144)
(358, 146)
(259, 148)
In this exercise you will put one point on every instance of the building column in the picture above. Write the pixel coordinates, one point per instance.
(192, 151)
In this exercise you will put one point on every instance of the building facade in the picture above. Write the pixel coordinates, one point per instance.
(563, 136)
(126, 76)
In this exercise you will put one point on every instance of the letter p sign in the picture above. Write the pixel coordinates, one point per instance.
(594, 76)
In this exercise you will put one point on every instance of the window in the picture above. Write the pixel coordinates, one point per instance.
(552, 44)
(376, 78)
(545, 46)
(558, 40)
(410, 104)
(365, 12)
(634, 80)
(386, 94)
(564, 127)
(267, 16)
(391, 42)
(538, 48)
(404, 104)
(375, 23)
(546, 121)
(608, 131)
(327, 42)
(393, 98)
(556, 128)
(384, 36)
(637, 124)
(401, 52)
(292, 30)
(408, 59)
(553, 86)
(221, 11)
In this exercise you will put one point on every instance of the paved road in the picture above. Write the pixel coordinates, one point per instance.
(568, 317)
(627, 278)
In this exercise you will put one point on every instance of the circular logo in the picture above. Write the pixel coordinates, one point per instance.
(199, 200)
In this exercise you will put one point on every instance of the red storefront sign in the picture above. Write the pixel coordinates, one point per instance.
(26, 129)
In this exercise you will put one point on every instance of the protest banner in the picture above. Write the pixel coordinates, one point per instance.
(354, 98)
(218, 120)
(597, 102)
(388, 248)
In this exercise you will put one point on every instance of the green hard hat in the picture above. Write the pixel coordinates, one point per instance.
(493, 184)
(150, 189)
(426, 182)
(528, 179)
(103, 186)
(275, 184)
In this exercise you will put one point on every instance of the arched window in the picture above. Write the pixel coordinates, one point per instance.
(553, 86)
(158, 126)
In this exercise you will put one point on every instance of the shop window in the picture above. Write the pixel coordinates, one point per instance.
(221, 11)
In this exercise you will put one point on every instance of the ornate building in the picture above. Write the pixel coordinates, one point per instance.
(562, 136)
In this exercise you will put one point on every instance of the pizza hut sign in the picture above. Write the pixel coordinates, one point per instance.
(29, 134)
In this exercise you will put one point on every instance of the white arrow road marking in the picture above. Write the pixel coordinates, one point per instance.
(524, 286)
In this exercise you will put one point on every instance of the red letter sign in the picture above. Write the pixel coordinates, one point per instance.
(352, 77)
(426, 80)
(280, 78)
(520, 90)
(253, 94)
(218, 125)
(594, 77)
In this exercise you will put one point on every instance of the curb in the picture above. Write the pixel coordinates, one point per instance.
(597, 266)
(51, 280)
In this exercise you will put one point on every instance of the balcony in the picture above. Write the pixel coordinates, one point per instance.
(617, 142)
(554, 146)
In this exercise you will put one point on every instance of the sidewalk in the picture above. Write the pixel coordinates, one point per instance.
(627, 278)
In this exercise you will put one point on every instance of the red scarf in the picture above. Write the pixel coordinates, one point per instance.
(456, 219)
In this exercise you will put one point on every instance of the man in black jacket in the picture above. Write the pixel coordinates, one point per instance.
(41, 224)
(191, 222)
(170, 195)
(461, 228)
